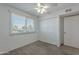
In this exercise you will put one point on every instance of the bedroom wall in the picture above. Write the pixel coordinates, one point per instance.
(9, 42)
(46, 33)
(48, 30)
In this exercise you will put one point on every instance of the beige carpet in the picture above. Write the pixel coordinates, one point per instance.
(42, 48)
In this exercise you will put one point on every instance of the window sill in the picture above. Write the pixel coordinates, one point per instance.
(22, 33)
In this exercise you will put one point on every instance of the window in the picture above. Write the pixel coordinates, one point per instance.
(21, 24)
(30, 25)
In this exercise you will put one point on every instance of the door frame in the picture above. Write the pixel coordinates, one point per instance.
(61, 26)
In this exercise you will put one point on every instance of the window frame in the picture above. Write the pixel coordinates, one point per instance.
(10, 24)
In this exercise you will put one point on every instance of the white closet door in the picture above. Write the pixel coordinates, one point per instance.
(75, 33)
(71, 31)
(68, 31)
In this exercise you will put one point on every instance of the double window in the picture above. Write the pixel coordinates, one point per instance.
(21, 24)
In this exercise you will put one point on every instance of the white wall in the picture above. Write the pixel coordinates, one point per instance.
(61, 30)
(44, 26)
(48, 30)
(7, 41)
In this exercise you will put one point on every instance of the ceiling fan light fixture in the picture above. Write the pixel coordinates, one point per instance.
(38, 4)
(38, 10)
(46, 7)
(42, 11)
(41, 8)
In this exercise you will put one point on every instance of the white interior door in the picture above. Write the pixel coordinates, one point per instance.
(71, 31)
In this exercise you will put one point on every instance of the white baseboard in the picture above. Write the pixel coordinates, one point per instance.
(49, 42)
(2, 52)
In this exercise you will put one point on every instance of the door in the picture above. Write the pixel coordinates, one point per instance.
(71, 31)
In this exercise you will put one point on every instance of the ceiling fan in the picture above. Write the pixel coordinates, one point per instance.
(41, 8)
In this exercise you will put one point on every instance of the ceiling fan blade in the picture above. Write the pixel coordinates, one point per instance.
(42, 11)
(38, 4)
(45, 7)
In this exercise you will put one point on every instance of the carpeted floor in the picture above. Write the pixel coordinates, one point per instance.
(42, 48)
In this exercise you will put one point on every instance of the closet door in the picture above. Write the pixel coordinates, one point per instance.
(71, 31)
(68, 31)
(75, 33)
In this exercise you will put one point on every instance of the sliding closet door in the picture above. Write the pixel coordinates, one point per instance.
(68, 31)
(71, 31)
(75, 30)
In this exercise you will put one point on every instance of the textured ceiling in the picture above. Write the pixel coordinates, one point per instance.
(29, 7)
